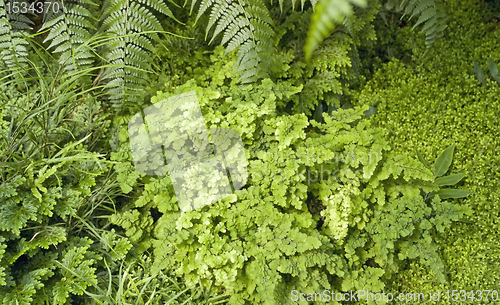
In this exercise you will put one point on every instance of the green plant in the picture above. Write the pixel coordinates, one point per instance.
(48, 174)
(326, 13)
(289, 227)
(246, 26)
(441, 166)
(493, 69)
(133, 27)
(57, 193)
(138, 282)
(114, 35)
(13, 52)
(437, 102)
(69, 33)
(333, 201)
(430, 13)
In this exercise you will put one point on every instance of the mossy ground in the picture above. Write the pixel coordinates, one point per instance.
(436, 100)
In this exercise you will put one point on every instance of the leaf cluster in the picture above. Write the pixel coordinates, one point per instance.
(327, 206)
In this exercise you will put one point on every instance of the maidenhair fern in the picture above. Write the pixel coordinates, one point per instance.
(430, 13)
(326, 14)
(69, 31)
(13, 29)
(247, 25)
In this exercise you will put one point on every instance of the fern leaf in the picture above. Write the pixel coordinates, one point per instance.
(228, 16)
(430, 13)
(295, 4)
(133, 26)
(215, 14)
(326, 13)
(19, 21)
(204, 6)
(69, 32)
(160, 7)
(13, 45)
(426, 16)
(246, 26)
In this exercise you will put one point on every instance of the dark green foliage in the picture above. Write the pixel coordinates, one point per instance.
(47, 174)
(246, 26)
(326, 13)
(430, 14)
(114, 34)
(69, 35)
(132, 27)
(13, 29)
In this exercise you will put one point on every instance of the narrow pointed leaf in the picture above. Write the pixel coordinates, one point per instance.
(443, 162)
(318, 114)
(449, 180)
(493, 67)
(452, 193)
(479, 73)
(422, 159)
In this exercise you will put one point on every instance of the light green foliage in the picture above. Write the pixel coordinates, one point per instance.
(439, 103)
(315, 213)
(139, 282)
(334, 200)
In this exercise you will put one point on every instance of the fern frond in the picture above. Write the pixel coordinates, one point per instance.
(246, 26)
(18, 21)
(69, 30)
(13, 45)
(430, 13)
(295, 3)
(133, 28)
(326, 13)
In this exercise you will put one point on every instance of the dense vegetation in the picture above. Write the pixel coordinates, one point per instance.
(370, 130)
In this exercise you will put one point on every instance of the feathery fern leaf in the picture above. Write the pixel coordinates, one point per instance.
(326, 13)
(69, 30)
(430, 13)
(19, 21)
(13, 45)
(134, 27)
(247, 26)
(295, 3)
